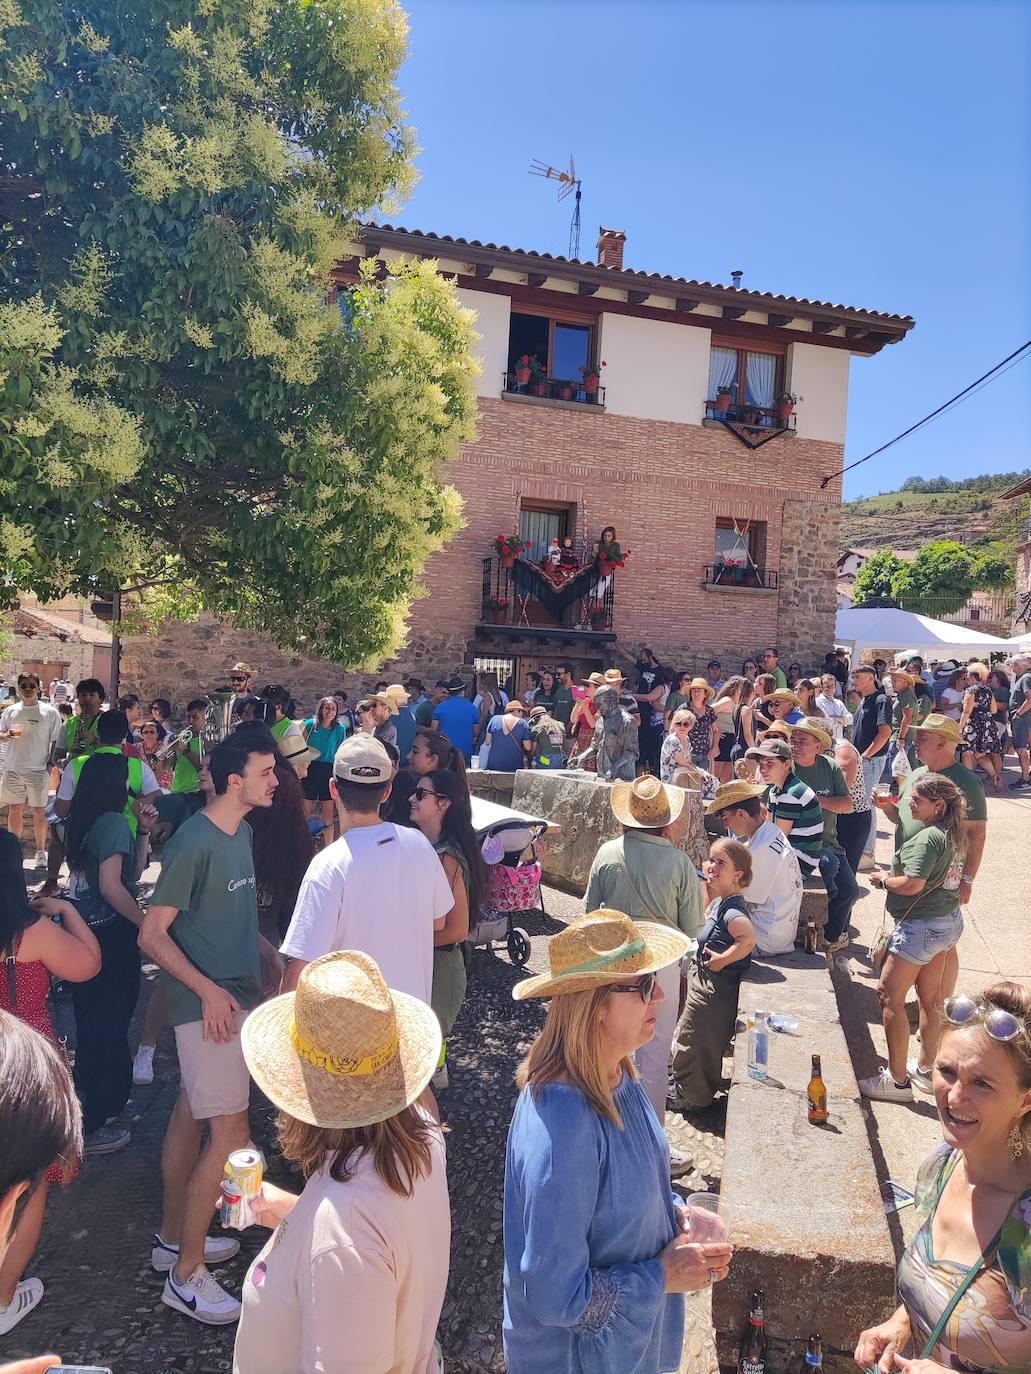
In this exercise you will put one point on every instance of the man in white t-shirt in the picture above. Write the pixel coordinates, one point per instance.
(29, 730)
(380, 888)
(774, 895)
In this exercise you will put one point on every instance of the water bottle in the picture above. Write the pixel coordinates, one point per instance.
(785, 1025)
(758, 1045)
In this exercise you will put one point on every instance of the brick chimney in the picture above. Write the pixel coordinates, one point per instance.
(610, 248)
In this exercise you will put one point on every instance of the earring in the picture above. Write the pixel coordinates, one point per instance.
(1015, 1140)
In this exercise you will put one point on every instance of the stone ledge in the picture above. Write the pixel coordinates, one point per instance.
(553, 403)
(747, 591)
(810, 1229)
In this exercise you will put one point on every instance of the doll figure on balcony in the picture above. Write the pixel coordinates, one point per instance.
(554, 556)
(568, 559)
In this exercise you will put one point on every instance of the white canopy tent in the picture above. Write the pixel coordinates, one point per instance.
(1021, 641)
(864, 628)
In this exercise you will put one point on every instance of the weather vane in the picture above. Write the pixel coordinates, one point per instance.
(567, 181)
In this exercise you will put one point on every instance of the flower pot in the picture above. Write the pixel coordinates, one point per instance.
(591, 380)
(565, 393)
(722, 403)
(500, 615)
(751, 417)
(508, 560)
(522, 376)
(784, 410)
(539, 388)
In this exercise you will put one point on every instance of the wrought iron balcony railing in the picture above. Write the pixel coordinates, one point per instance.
(518, 594)
(553, 389)
(761, 417)
(736, 575)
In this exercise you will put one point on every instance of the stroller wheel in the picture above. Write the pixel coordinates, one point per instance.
(518, 946)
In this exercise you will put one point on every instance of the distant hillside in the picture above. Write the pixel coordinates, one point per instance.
(906, 519)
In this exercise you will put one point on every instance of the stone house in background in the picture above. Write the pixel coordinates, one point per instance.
(716, 494)
(1022, 572)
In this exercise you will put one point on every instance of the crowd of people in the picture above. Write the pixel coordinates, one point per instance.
(317, 879)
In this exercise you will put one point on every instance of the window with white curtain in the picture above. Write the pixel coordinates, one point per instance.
(755, 377)
(722, 369)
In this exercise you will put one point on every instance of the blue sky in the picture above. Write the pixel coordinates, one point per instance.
(872, 153)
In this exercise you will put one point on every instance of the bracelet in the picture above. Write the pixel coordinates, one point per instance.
(969, 877)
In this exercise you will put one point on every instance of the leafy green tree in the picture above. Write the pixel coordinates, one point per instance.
(940, 578)
(185, 408)
(875, 580)
(993, 570)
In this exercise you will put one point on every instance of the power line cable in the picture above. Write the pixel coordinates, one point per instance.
(990, 375)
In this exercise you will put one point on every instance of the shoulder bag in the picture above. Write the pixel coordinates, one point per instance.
(879, 948)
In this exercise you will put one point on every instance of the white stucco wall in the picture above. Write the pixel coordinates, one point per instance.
(491, 324)
(820, 377)
(655, 371)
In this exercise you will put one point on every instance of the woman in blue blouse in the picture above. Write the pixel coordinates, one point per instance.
(596, 1251)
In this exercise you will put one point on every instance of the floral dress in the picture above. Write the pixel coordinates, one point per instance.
(700, 737)
(990, 1330)
(979, 733)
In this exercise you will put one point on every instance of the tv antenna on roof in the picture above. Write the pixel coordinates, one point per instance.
(567, 181)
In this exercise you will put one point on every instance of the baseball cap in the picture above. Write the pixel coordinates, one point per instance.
(362, 759)
(771, 749)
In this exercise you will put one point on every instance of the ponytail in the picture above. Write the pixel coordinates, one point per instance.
(935, 787)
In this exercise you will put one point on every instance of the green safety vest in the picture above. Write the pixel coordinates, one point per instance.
(135, 777)
(281, 726)
(80, 738)
(185, 777)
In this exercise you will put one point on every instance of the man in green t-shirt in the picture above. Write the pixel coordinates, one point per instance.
(202, 930)
(424, 712)
(813, 766)
(771, 664)
(563, 707)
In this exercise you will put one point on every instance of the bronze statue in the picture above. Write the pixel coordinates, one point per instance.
(614, 744)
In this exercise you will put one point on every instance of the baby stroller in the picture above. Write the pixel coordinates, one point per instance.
(515, 879)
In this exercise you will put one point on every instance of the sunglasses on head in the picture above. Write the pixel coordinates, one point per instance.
(644, 987)
(421, 793)
(962, 1010)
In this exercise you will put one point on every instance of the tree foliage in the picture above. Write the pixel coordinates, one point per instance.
(992, 482)
(942, 573)
(875, 579)
(183, 405)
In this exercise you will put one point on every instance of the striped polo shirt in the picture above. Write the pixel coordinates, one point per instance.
(798, 803)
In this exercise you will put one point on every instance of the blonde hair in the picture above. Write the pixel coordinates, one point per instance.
(569, 1047)
(935, 787)
(399, 1146)
(1011, 997)
(678, 717)
(738, 855)
(978, 670)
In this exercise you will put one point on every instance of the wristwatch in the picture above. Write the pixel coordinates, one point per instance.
(969, 877)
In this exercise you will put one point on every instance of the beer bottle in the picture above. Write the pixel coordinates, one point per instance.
(814, 1353)
(752, 1356)
(817, 1094)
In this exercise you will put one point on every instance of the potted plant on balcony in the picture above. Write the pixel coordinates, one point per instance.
(538, 377)
(498, 607)
(565, 391)
(786, 403)
(723, 398)
(592, 376)
(523, 370)
(508, 548)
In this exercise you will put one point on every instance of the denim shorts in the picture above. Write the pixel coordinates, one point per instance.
(1020, 729)
(919, 941)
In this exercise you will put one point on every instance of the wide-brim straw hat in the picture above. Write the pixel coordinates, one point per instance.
(382, 699)
(602, 947)
(595, 680)
(344, 1050)
(783, 694)
(814, 727)
(701, 685)
(397, 694)
(894, 673)
(733, 794)
(242, 668)
(779, 729)
(945, 726)
(295, 750)
(646, 803)
(612, 677)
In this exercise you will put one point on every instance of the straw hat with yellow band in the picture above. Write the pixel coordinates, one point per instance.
(813, 726)
(603, 947)
(344, 1050)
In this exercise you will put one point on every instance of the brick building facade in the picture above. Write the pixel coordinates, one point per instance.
(686, 483)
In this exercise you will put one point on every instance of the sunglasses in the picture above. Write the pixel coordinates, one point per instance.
(962, 1010)
(237, 677)
(364, 710)
(644, 987)
(421, 793)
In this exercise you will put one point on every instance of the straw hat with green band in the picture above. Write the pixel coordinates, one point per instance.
(344, 1050)
(603, 947)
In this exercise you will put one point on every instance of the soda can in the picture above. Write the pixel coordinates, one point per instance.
(240, 1186)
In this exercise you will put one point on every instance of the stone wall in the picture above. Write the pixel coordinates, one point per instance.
(51, 657)
(808, 597)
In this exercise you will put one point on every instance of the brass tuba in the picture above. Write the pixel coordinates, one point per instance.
(218, 720)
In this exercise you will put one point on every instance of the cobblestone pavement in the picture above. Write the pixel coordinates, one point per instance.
(102, 1301)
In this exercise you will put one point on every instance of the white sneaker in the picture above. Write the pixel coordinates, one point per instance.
(920, 1078)
(867, 863)
(679, 1163)
(143, 1065)
(27, 1295)
(883, 1088)
(217, 1249)
(106, 1140)
(201, 1297)
(439, 1080)
(40, 861)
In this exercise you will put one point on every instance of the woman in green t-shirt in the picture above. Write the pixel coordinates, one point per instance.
(923, 900)
(105, 861)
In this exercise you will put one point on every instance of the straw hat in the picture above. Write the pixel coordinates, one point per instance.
(812, 726)
(779, 729)
(603, 947)
(382, 699)
(700, 684)
(596, 680)
(782, 694)
(646, 803)
(733, 794)
(398, 696)
(612, 677)
(907, 679)
(944, 726)
(295, 750)
(537, 711)
(242, 668)
(344, 1050)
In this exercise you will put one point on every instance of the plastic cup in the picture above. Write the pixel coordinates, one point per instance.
(710, 1218)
